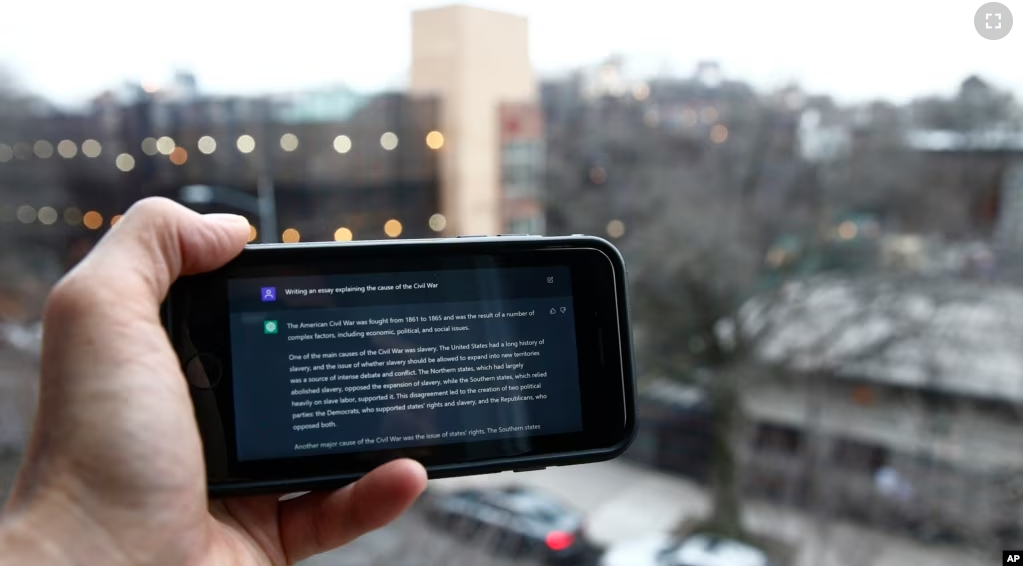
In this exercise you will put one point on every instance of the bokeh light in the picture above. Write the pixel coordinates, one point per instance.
(253, 233)
(290, 236)
(179, 156)
(125, 162)
(389, 141)
(616, 229)
(91, 149)
(149, 147)
(72, 216)
(26, 214)
(67, 149)
(393, 228)
(435, 140)
(343, 234)
(114, 220)
(165, 145)
(641, 92)
(47, 215)
(289, 142)
(246, 143)
(43, 149)
(92, 220)
(847, 230)
(719, 133)
(342, 144)
(437, 222)
(207, 145)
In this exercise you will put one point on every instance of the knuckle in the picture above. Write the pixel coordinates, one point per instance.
(68, 298)
(155, 212)
(153, 207)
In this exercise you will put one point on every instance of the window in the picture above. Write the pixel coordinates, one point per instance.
(522, 167)
(526, 225)
(855, 455)
(779, 439)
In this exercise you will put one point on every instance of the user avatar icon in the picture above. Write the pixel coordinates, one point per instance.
(268, 294)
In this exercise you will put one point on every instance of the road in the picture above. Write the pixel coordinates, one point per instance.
(412, 541)
(623, 501)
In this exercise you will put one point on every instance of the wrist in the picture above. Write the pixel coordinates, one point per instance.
(51, 535)
(20, 545)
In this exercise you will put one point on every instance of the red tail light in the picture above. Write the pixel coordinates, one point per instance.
(559, 540)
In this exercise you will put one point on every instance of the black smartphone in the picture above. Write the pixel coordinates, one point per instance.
(311, 364)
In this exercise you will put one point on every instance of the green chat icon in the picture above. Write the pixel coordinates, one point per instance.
(270, 327)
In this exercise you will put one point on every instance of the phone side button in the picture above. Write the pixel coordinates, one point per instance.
(537, 469)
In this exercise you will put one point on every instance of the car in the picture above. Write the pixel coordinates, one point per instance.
(694, 550)
(513, 520)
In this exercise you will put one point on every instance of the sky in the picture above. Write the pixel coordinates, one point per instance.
(69, 50)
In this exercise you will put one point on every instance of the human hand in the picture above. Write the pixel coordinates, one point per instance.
(114, 470)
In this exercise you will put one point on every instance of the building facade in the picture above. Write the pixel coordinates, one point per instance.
(475, 61)
(356, 171)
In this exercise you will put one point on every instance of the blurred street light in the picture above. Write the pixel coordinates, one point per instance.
(92, 220)
(616, 228)
(67, 149)
(719, 133)
(289, 142)
(149, 146)
(125, 162)
(165, 145)
(393, 228)
(26, 214)
(91, 148)
(179, 156)
(73, 216)
(435, 140)
(437, 222)
(47, 215)
(342, 144)
(246, 143)
(207, 145)
(43, 149)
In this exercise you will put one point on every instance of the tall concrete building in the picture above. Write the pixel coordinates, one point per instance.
(474, 61)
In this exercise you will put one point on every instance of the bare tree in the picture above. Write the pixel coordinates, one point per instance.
(703, 202)
(688, 199)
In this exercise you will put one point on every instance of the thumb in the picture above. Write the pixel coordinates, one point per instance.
(156, 241)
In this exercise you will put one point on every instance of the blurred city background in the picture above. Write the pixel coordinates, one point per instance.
(826, 284)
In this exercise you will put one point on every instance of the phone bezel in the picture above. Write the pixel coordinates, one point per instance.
(604, 355)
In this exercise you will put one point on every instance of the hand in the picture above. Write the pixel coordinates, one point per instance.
(114, 470)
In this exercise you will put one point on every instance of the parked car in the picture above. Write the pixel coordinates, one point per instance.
(695, 550)
(513, 520)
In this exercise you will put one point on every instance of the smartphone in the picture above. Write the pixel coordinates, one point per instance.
(311, 364)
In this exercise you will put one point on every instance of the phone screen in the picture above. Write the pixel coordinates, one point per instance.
(330, 364)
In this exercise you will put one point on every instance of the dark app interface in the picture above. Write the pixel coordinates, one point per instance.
(343, 363)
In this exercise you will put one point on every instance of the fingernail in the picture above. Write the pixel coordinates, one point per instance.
(222, 218)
